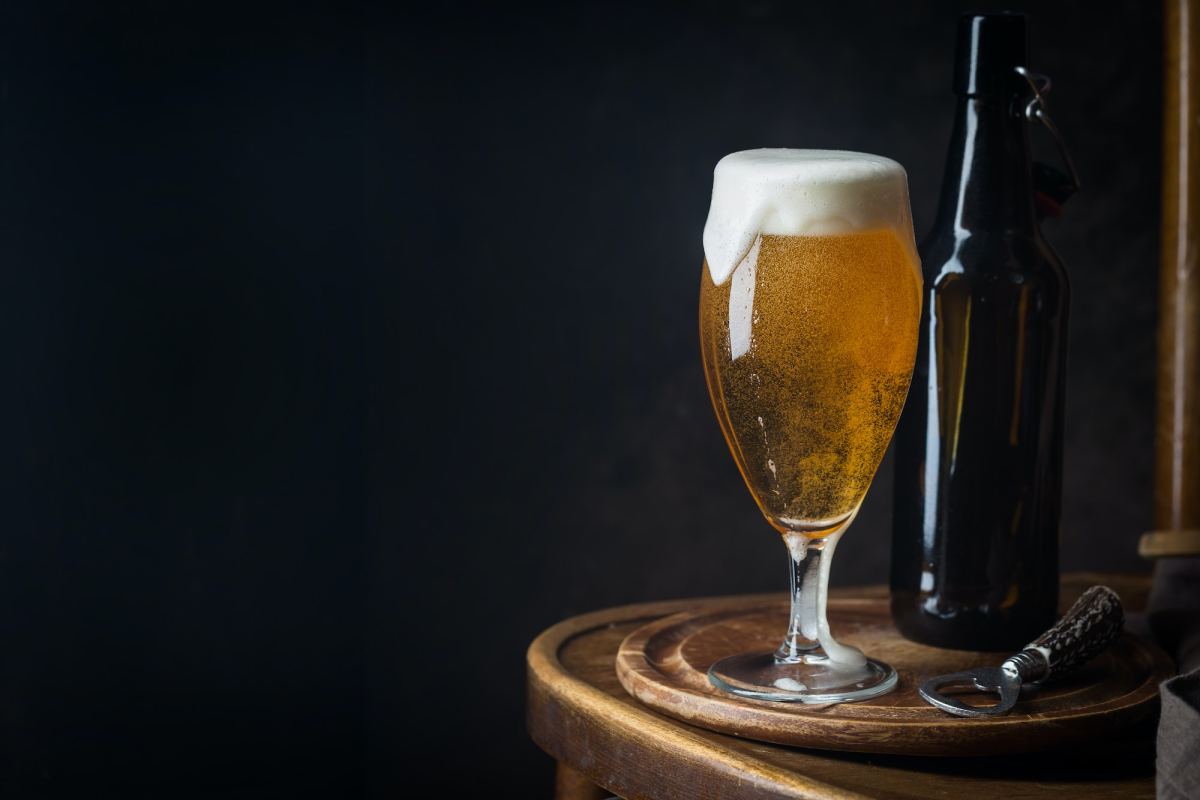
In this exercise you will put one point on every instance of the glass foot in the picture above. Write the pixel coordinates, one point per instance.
(811, 678)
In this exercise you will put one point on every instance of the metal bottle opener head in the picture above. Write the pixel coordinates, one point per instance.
(986, 679)
(1088, 627)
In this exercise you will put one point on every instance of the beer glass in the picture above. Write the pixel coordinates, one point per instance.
(810, 303)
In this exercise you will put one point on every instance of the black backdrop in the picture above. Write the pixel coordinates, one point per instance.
(348, 347)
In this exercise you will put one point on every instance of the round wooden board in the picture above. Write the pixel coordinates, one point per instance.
(664, 664)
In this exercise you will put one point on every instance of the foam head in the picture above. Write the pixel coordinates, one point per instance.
(801, 193)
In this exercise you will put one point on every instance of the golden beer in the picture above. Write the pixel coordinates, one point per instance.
(808, 349)
(810, 303)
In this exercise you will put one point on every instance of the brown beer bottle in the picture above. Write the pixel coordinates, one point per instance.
(979, 445)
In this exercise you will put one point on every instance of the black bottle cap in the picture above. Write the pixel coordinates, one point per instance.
(989, 47)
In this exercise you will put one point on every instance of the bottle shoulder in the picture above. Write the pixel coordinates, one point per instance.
(983, 256)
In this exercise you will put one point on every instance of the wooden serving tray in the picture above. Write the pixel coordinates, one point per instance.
(664, 664)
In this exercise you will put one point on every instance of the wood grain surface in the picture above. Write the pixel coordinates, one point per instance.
(578, 712)
(664, 664)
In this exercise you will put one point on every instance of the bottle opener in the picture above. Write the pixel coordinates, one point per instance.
(1090, 625)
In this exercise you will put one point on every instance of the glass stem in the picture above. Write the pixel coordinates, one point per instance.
(804, 561)
(808, 633)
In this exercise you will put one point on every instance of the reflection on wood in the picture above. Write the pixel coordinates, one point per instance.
(579, 713)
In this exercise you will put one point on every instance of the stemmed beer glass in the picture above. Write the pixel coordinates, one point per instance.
(810, 303)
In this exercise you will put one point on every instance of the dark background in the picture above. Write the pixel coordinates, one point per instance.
(349, 347)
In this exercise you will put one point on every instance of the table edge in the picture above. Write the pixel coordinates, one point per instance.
(549, 681)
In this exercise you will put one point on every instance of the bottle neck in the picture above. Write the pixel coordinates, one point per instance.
(988, 184)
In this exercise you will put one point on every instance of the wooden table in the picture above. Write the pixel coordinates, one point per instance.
(601, 737)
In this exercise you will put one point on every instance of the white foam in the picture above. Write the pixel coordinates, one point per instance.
(844, 655)
(741, 304)
(789, 192)
(811, 616)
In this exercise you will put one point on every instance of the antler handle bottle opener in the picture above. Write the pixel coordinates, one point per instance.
(1090, 625)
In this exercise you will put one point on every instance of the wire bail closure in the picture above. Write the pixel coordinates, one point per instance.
(1036, 109)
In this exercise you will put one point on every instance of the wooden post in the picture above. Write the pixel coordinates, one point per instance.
(572, 785)
(1177, 439)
